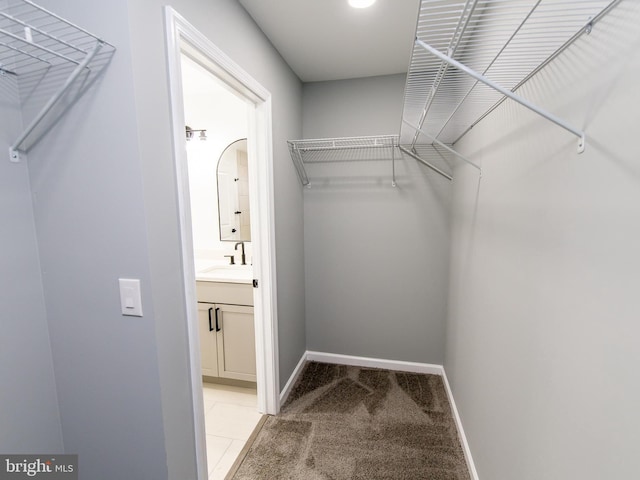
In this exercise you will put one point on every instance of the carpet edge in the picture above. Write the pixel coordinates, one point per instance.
(243, 453)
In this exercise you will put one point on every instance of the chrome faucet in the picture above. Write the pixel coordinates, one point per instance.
(244, 258)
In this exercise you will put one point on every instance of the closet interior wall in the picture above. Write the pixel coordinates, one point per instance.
(542, 331)
(376, 257)
(30, 419)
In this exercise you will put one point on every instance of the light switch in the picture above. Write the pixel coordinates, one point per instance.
(130, 298)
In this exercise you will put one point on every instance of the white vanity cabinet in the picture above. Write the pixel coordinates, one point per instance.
(227, 335)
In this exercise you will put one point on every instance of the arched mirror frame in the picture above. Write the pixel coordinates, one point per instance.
(234, 216)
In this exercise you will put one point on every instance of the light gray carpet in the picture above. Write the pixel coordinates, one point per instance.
(351, 423)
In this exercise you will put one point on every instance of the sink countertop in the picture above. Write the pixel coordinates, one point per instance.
(212, 271)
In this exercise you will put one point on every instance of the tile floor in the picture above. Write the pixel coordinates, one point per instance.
(230, 417)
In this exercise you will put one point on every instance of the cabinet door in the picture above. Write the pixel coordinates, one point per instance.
(208, 343)
(236, 343)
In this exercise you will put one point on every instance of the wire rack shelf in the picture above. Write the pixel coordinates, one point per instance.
(39, 49)
(471, 55)
(344, 149)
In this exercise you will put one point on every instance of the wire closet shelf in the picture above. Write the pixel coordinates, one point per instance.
(344, 149)
(469, 56)
(35, 42)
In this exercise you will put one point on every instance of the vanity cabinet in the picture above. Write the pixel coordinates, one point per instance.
(227, 334)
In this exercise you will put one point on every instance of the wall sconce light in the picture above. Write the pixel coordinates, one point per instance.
(190, 131)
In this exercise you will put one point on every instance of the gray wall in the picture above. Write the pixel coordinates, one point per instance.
(542, 339)
(376, 257)
(103, 186)
(29, 415)
(88, 205)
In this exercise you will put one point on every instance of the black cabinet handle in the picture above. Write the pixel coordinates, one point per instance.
(217, 325)
(210, 327)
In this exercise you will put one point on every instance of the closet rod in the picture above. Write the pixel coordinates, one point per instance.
(443, 145)
(424, 162)
(522, 101)
(14, 154)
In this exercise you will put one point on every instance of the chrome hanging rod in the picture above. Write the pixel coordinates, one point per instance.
(522, 101)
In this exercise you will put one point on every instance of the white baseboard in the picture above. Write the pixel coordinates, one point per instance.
(463, 438)
(375, 363)
(284, 394)
(398, 365)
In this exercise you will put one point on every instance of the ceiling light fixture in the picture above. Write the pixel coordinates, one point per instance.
(361, 3)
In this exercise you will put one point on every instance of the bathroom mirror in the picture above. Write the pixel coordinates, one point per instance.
(233, 193)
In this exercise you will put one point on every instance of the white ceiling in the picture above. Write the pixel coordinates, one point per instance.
(329, 40)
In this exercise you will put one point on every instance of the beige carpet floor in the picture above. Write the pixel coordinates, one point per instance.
(352, 423)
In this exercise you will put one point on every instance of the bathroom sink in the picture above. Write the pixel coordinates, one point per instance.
(226, 273)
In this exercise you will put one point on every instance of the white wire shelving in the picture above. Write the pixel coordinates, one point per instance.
(344, 149)
(41, 51)
(468, 57)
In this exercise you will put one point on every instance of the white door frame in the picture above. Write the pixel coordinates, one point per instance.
(182, 35)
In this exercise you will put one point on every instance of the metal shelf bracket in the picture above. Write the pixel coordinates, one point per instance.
(507, 93)
(419, 132)
(14, 153)
(35, 44)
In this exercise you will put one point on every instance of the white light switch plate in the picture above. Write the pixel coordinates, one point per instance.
(130, 298)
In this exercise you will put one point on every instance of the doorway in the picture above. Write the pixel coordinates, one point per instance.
(184, 39)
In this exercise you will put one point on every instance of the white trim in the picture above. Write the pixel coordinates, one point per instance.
(463, 438)
(173, 34)
(375, 363)
(180, 34)
(284, 394)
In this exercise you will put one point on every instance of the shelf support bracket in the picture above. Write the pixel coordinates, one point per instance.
(443, 145)
(14, 153)
(296, 155)
(393, 166)
(507, 93)
(424, 162)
